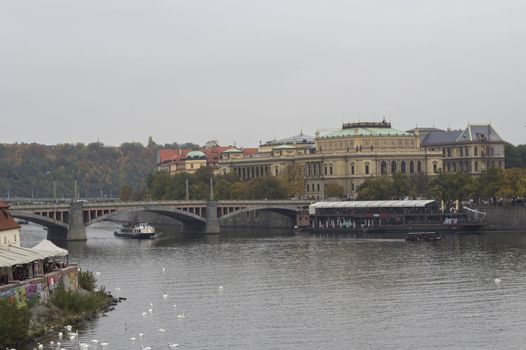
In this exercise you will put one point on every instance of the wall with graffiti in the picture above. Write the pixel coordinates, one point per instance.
(37, 290)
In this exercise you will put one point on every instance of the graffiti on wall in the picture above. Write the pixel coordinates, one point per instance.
(38, 290)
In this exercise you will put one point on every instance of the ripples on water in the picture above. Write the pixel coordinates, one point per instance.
(292, 292)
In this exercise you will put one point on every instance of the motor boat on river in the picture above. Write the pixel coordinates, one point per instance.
(422, 237)
(386, 217)
(138, 231)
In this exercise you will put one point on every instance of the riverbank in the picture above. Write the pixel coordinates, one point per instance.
(27, 324)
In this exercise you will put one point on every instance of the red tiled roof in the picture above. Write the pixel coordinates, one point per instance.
(249, 151)
(170, 155)
(6, 220)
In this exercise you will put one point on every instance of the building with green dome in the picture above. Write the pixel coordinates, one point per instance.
(347, 156)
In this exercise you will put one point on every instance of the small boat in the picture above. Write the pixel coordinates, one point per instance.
(139, 231)
(22, 221)
(422, 236)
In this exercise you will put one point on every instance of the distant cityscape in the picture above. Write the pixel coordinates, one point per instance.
(350, 155)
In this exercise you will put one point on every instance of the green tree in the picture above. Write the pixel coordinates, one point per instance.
(376, 188)
(334, 190)
(266, 187)
(14, 323)
(293, 180)
(126, 193)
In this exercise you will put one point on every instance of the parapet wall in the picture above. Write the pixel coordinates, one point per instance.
(511, 218)
(38, 289)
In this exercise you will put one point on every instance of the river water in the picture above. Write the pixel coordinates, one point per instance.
(249, 291)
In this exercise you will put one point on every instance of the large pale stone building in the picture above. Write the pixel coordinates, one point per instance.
(348, 157)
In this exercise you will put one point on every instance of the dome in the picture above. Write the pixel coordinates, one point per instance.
(233, 150)
(283, 147)
(195, 155)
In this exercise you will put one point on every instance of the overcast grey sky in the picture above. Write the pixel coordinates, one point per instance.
(245, 70)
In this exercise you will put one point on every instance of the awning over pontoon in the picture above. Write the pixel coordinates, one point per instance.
(373, 204)
(13, 255)
(48, 248)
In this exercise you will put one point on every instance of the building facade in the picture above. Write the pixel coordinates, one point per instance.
(473, 150)
(9, 229)
(348, 157)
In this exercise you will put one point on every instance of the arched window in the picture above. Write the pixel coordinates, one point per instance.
(367, 169)
(419, 166)
(393, 167)
(476, 151)
(352, 168)
(402, 167)
(330, 169)
(411, 167)
(325, 170)
(435, 170)
(383, 168)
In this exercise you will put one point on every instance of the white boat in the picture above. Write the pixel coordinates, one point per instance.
(140, 231)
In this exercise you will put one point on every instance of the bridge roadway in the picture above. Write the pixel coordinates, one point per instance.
(68, 221)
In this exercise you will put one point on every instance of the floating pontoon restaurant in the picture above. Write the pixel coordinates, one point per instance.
(386, 216)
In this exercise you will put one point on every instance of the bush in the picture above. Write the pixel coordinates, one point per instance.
(72, 302)
(87, 280)
(14, 323)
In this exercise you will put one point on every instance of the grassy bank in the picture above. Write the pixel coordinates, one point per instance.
(19, 325)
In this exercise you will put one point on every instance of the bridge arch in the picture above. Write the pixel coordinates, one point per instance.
(283, 210)
(38, 219)
(177, 214)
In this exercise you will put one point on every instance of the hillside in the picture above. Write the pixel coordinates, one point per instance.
(30, 169)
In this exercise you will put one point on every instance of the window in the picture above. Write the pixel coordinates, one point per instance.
(330, 170)
(367, 169)
(383, 168)
(325, 170)
(448, 167)
(419, 166)
(402, 167)
(466, 151)
(318, 187)
(411, 167)
(352, 169)
(449, 152)
(476, 164)
(461, 150)
(393, 167)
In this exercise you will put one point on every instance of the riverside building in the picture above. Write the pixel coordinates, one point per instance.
(472, 150)
(347, 157)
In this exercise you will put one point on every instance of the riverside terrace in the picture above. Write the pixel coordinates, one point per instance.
(68, 221)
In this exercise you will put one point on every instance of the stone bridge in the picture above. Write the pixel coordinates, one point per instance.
(68, 221)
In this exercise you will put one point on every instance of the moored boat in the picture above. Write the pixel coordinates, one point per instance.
(396, 216)
(139, 231)
(422, 236)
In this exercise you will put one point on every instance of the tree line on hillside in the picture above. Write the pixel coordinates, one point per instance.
(493, 184)
(34, 170)
(162, 186)
(28, 170)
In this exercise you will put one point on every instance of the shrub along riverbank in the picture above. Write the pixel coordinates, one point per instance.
(19, 325)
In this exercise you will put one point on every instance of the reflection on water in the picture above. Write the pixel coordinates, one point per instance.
(311, 292)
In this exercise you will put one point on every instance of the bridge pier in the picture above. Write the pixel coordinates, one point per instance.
(76, 229)
(212, 222)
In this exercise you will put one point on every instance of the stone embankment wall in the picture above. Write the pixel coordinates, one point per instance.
(509, 218)
(38, 289)
(258, 219)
